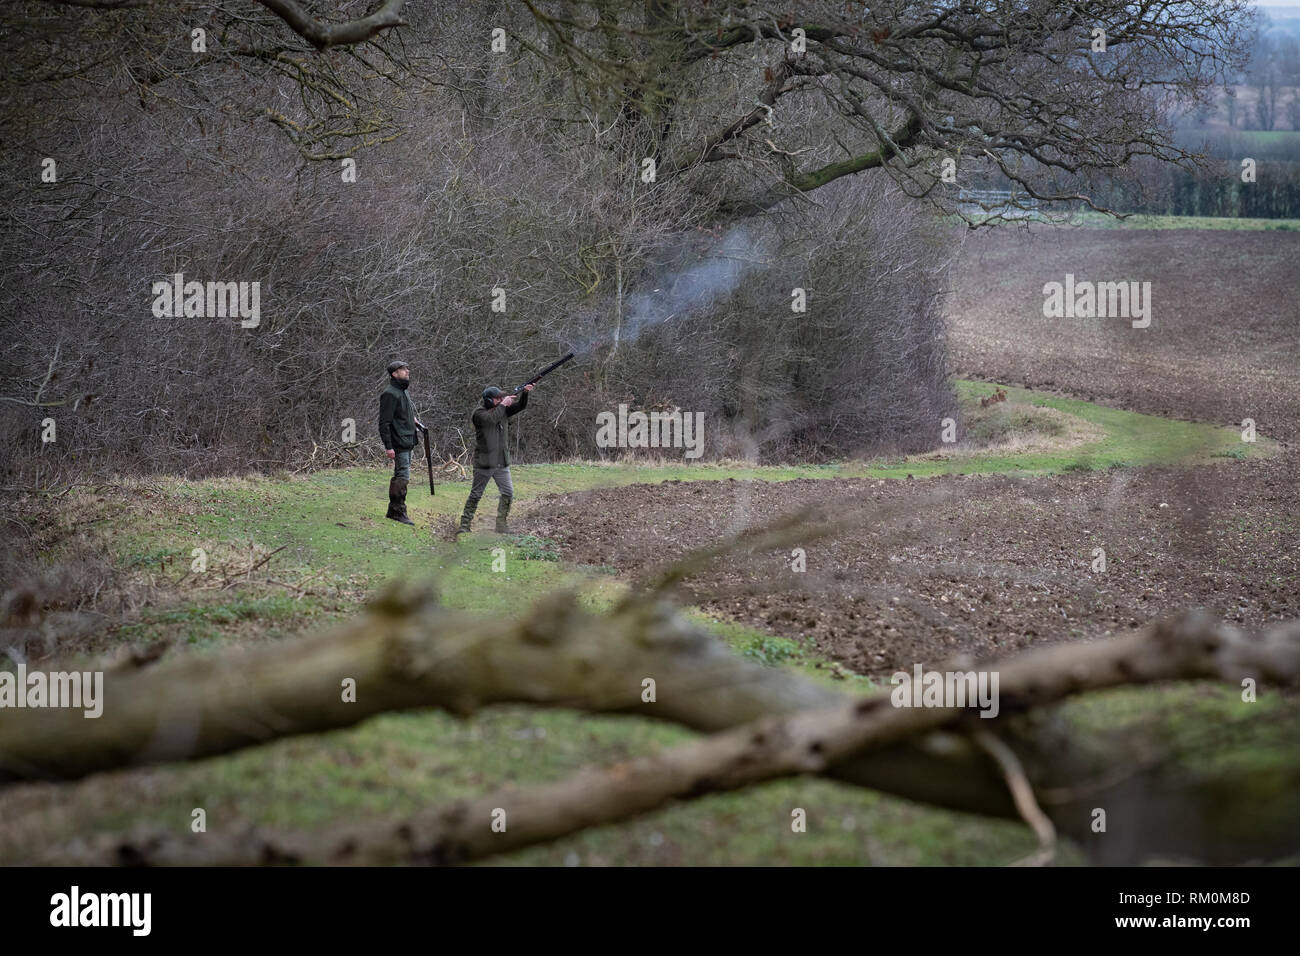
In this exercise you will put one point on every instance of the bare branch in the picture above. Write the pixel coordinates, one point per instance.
(814, 741)
(322, 35)
(1023, 792)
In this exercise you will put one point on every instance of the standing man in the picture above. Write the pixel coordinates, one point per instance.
(397, 424)
(492, 453)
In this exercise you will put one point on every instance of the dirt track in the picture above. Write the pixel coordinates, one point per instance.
(988, 565)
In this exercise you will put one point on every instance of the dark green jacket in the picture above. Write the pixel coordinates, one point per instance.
(492, 434)
(396, 418)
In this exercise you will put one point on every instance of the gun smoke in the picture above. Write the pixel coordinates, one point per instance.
(677, 291)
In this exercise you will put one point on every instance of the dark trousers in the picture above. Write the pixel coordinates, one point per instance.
(504, 485)
(402, 464)
(397, 484)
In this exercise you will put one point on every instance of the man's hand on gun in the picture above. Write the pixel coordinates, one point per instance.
(510, 399)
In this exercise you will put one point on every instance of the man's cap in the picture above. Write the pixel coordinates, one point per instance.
(491, 392)
(394, 366)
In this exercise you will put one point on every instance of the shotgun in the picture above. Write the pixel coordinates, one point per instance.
(544, 372)
(428, 455)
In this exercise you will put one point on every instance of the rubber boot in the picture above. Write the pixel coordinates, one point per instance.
(397, 501)
(401, 504)
(467, 516)
(503, 512)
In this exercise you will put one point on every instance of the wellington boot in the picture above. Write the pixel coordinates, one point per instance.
(397, 501)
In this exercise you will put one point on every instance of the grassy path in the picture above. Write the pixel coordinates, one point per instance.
(332, 524)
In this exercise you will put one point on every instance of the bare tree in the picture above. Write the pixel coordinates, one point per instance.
(1265, 75)
(219, 157)
(1041, 91)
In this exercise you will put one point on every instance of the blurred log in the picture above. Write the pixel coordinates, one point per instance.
(407, 652)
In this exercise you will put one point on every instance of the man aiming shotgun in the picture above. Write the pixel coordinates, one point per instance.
(492, 447)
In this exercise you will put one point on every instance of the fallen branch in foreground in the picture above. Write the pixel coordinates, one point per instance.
(835, 740)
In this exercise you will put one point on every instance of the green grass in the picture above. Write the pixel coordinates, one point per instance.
(337, 541)
(206, 624)
(1274, 144)
(1130, 439)
(1271, 136)
(1097, 220)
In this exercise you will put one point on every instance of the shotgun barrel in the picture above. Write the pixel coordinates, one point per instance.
(544, 372)
(428, 457)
